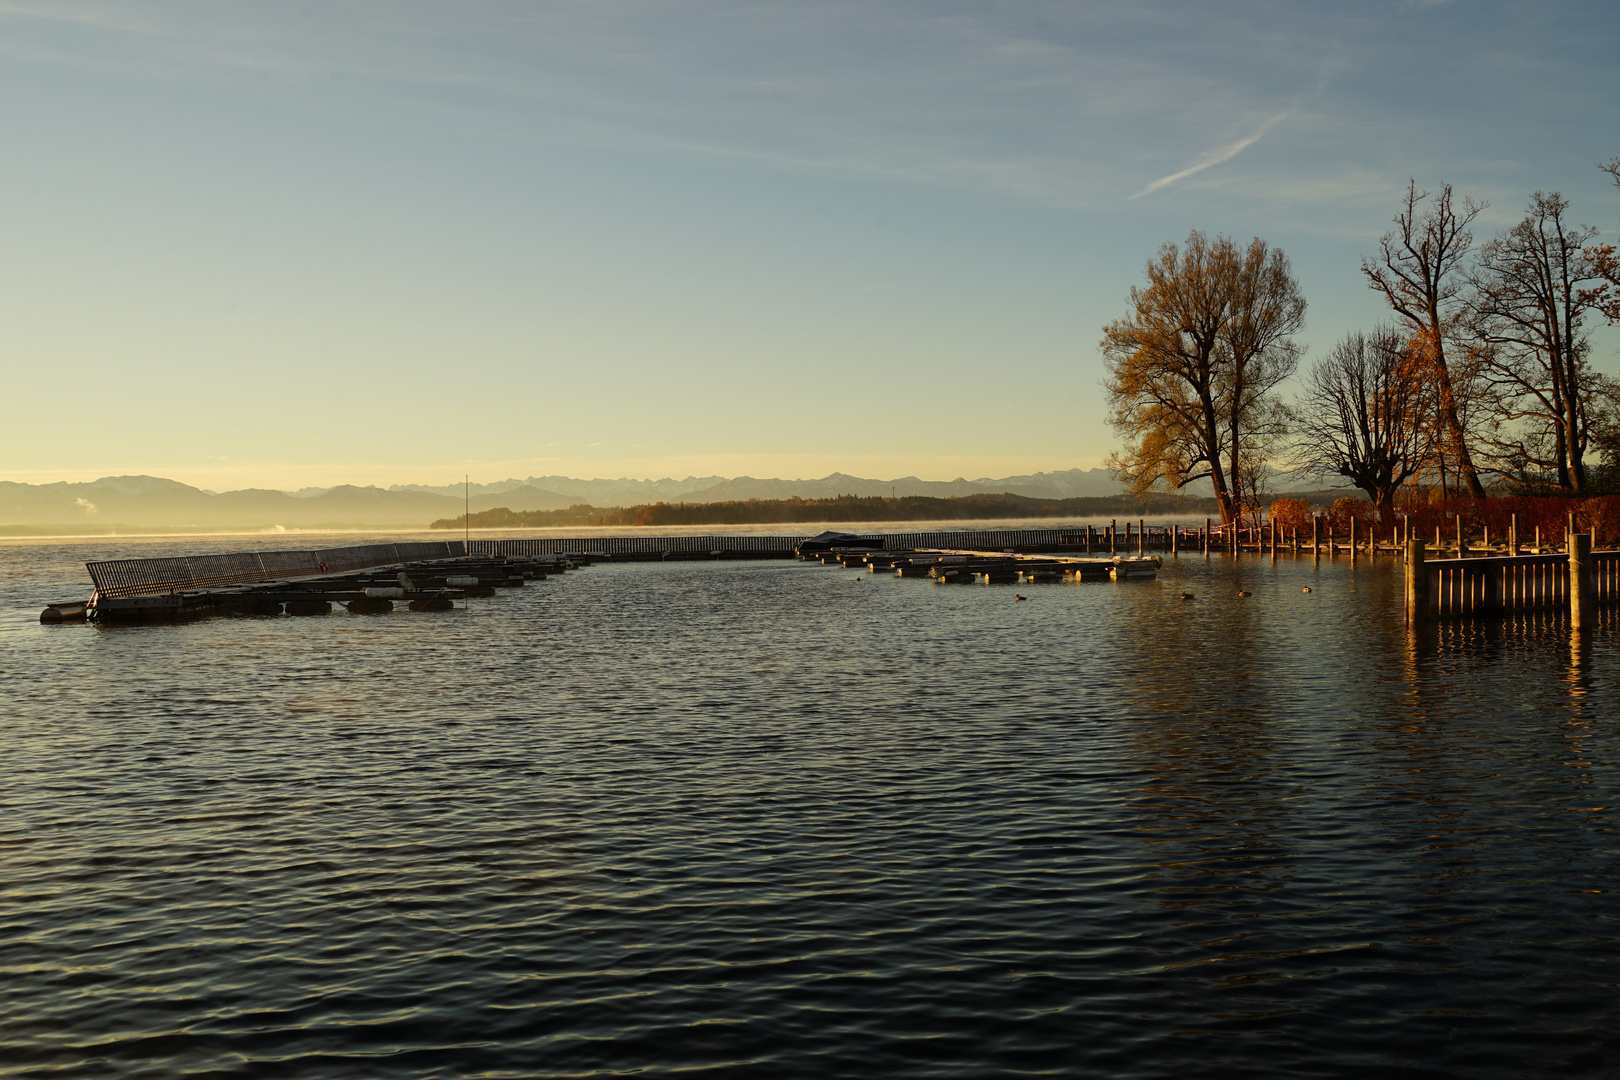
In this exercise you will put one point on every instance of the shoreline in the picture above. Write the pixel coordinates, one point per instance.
(565, 531)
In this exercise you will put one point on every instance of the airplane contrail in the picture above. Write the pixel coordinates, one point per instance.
(1214, 157)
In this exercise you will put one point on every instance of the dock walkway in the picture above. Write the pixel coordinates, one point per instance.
(431, 576)
(365, 578)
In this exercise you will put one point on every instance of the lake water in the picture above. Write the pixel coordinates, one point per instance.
(781, 819)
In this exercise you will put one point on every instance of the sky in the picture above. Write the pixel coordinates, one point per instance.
(279, 245)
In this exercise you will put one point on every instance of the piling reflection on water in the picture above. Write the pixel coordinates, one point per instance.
(737, 818)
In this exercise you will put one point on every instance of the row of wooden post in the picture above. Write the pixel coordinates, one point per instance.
(1403, 536)
(1234, 538)
(1111, 534)
(1514, 546)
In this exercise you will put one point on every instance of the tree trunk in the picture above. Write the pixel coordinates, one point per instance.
(1466, 472)
(1217, 477)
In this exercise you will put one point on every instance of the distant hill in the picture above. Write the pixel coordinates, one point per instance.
(1070, 484)
(1066, 484)
(155, 503)
(978, 507)
(152, 502)
(620, 492)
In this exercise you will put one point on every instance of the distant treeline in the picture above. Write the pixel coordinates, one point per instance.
(841, 508)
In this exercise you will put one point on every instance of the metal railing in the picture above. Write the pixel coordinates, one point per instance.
(155, 577)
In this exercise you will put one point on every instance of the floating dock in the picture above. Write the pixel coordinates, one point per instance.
(433, 576)
(958, 565)
(366, 579)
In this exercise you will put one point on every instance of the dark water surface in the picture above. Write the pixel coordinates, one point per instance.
(778, 819)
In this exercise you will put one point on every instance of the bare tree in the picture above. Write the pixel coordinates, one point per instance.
(1532, 288)
(1606, 264)
(1366, 414)
(1418, 270)
(1605, 406)
(1192, 369)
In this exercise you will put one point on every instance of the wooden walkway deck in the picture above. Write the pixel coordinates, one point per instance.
(426, 577)
(430, 576)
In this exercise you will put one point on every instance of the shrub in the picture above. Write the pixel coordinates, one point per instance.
(1343, 510)
(1291, 514)
(1601, 518)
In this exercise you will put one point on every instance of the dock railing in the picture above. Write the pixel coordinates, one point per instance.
(1576, 581)
(118, 578)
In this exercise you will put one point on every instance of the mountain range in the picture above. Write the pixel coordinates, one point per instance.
(1068, 484)
(150, 502)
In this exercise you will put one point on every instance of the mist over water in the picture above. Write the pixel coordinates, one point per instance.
(748, 818)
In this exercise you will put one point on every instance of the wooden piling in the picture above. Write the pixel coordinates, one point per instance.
(1141, 537)
(1206, 536)
(1582, 596)
(1417, 584)
(1113, 528)
(1316, 536)
(1352, 539)
(1513, 535)
(1462, 552)
(1569, 534)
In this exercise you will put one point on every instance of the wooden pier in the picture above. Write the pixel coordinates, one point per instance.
(365, 579)
(960, 566)
(1075, 540)
(432, 576)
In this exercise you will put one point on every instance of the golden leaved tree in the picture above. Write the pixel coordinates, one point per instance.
(1192, 368)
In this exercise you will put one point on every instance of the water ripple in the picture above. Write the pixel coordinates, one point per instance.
(736, 819)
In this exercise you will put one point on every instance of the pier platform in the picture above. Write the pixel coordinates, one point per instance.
(433, 576)
(369, 578)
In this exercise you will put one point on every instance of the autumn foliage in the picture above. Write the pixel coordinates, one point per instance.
(1291, 514)
(1345, 510)
(1599, 516)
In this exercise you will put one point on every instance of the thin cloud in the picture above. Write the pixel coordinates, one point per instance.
(1214, 157)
